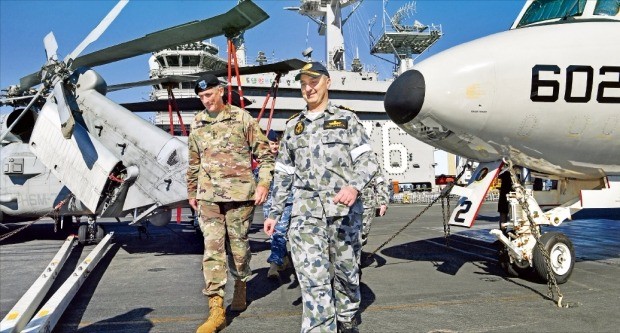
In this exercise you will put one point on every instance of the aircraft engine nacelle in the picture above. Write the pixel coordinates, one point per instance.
(162, 218)
(22, 130)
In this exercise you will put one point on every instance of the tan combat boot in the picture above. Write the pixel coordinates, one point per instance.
(273, 271)
(217, 316)
(239, 302)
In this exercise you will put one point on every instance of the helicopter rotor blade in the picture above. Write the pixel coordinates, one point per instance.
(165, 80)
(64, 112)
(12, 100)
(51, 47)
(98, 31)
(242, 17)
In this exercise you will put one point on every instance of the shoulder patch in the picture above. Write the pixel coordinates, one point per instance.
(342, 107)
(293, 116)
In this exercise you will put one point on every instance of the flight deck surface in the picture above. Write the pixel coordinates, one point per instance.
(415, 284)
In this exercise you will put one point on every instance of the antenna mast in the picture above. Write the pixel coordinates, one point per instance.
(404, 41)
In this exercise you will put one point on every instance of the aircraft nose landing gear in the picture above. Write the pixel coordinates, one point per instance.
(91, 232)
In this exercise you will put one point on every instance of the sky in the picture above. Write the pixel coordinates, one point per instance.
(24, 24)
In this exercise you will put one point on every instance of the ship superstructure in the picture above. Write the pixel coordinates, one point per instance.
(402, 158)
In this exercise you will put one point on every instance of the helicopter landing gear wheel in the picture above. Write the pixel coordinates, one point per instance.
(99, 234)
(90, 233)
(83, 233)
(561, 257)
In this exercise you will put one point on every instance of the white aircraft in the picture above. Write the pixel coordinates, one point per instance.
(544, 96)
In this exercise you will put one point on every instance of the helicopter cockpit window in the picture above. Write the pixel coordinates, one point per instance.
(544, 10)
(607, 7)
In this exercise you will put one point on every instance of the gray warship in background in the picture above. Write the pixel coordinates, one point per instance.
(406, 161)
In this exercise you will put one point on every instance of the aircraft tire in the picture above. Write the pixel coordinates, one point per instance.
(83, 233)
(100, 234)
(511, 269)
(561, 254)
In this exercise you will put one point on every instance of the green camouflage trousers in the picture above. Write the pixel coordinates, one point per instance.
(317, 245)
(225, 227)
(369, 214)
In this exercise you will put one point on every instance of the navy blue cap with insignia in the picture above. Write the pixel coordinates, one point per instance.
(205, 82)
(272, 135)
(314, 69)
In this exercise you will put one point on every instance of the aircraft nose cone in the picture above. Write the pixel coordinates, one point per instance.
(405, 96)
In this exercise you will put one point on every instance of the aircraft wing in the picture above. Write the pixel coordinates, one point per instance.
(474, 194)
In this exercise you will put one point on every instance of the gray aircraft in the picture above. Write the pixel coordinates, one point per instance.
(71, 151)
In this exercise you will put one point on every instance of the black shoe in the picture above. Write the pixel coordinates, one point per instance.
(366, 259)
(349, 327)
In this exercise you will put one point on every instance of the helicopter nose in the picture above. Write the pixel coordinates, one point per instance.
(405, 96)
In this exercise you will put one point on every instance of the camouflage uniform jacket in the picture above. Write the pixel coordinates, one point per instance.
(319, 157)
(220, 151)
(375, 193)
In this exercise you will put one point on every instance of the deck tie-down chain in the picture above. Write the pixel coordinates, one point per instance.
(52, 213)
(444, 194)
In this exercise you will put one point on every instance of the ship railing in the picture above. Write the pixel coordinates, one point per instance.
(421, 197)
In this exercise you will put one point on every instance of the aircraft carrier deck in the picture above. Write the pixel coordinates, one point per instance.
(416, 283)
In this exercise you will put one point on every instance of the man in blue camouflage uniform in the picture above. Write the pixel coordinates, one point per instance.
(376, 199)
(222, 189)
(325, 160)
(278, 259)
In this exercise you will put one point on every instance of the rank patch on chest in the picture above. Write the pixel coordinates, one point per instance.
(336, 123)
(299, 128)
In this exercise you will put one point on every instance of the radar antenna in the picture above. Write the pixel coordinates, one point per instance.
(402, 40)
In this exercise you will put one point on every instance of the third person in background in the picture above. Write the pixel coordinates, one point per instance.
(278, 259)
(376, 198)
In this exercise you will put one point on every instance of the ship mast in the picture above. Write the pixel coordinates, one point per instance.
(404, 41)
(328, 15)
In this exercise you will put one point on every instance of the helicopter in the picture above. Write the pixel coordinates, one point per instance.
(68, 150)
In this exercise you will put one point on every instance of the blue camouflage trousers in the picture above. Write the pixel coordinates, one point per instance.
(225, 227)
(317, 246)
(278, 239)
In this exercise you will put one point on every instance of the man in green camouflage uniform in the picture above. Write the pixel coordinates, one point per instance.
(325, 160)
(375, 197)
(222, 189)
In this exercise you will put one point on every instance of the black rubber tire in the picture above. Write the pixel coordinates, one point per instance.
(561, 253)
(83, 233)
(100, 234)
(511, 269)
